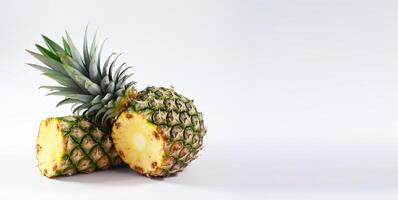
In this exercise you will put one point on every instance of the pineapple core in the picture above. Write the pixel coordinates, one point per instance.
(138, 142)
(49, 147)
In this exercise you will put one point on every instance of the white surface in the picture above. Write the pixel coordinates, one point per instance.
(300, 97)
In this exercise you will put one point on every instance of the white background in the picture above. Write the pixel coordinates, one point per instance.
(300, 97)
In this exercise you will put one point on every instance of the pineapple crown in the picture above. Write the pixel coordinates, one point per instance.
(90, 86)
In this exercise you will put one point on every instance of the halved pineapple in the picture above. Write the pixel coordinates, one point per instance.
(68, 145)
(160, 133)
(139, 143)
(49, 147)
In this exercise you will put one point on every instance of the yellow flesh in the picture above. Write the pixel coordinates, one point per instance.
(136, 143)
(49, 147)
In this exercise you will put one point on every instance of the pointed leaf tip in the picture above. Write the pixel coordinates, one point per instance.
(30, 52)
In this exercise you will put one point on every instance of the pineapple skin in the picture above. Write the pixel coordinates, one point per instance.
(71, 144)
(170, 137)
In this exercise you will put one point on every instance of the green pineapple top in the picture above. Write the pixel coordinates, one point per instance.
(94, 88)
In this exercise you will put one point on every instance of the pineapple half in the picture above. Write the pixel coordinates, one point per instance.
(71, 144)
(160, 132)
(157, 131)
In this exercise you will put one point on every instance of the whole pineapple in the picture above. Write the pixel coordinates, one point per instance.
(71, 144)
(157, 131)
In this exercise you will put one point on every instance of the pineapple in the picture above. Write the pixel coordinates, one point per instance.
(71, 144)
(160, 132)
(157, 131)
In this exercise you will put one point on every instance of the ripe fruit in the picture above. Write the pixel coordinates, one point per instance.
(160, 133)
(156, 131)
(68, 145)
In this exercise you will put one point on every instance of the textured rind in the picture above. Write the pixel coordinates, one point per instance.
(180, 124)
(122, 102)
(86, 147)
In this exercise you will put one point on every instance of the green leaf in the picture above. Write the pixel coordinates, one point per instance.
(107, 97)
(61, 79)
(107, 116)
(99, 59)
(68, 101)
(75, 75)
(111, 87)
(105, 66)
(94, 108)
(52, 88)
(132, 83)
(104, 83)
(93, 45)
(93, 88)
(99, 113)
(110, 74)
(81, 97)
(71, 62)
(54, 47)
(53, 64)
(63, 89)
(85, 49)
(93, 70)
(125, 70)
(74, 52)
(66, 46)
(48, 53)
(111, 103)
(82, 81)
(119, 92)
(97, 99)
(41, 68)
(61, 93)
(80, 108)
(123, 80)
(118, 71)
(121, 77)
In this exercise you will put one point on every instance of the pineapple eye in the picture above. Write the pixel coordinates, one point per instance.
(153, 103)
(170, 104)
(170, 117)
(159, 117)
(177, 132)
(180, 105)
(159, 93)
(184, 118)
(188, 133)
(195, 122)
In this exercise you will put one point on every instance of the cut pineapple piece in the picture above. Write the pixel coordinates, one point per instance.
(139, 143)
(160, 132)
(68, 145)
(49, 147)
